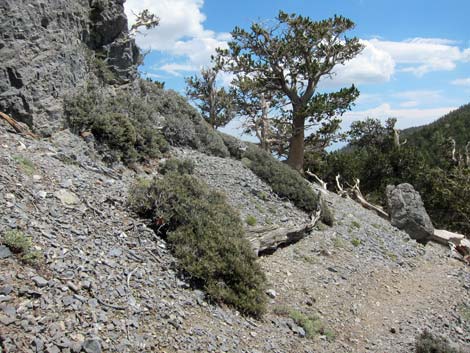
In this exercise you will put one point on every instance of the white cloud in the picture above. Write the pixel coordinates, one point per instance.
(372, 65)
(422, 55)
(181, 33)
(381, 59)
(183, 37)
(411, 99)
(406, 117)
(462, 82)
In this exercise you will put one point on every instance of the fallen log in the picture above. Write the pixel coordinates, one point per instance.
(17, 126)
(444, 237)
(269, 238)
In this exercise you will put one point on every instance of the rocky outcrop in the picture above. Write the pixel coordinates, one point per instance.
(49, 47)
(407, 212)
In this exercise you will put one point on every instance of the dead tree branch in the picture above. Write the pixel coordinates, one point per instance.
(144, 19)
(354, 192)
(319, 181)
(269, 238)
(17, 126)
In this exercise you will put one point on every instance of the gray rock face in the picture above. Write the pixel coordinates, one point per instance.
(48, 48)
(407, 212)
(4, 252)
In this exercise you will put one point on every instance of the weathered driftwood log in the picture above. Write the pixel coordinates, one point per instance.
(17, 126)
(357, 195)
(444, 237)
(269, 238)
(318, 180)
(354, 192)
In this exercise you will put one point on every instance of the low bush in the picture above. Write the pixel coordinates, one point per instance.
(180, 166)
(429, 343)
(235, 146)
(356, 242)
(158, 117)
(25, 164)
(182, 124)
(206, 235)
(125, 125)
(311, 324)
(285, 181)
(21, 245)
(250, 220)
(327, 216)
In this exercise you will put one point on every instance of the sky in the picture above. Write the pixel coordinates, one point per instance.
(415, 65)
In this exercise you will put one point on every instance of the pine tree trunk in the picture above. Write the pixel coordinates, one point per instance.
(264, 124)
(296, 148)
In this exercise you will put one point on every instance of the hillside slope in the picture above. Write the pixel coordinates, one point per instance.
(109, 284)
(428, 138)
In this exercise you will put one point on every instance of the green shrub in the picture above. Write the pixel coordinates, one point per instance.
(312, 324)
(355, 224)
(118, 133)
(159, 117)
(285, 181)
(103, 71)
(356, 242)
(235, 146)
(21, 245)
(326, 213)
(250, 220)
(428, 343)
(173, 165)
(206, 235)
(25, 164)
(182, 124)
(125, 123)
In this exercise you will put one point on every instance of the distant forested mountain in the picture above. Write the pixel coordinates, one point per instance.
(431, 138)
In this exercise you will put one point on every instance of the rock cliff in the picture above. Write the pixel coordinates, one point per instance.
(50, 47)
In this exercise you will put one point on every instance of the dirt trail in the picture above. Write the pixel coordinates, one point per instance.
(371, 285)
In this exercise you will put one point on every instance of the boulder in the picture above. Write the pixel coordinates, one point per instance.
(407, 212)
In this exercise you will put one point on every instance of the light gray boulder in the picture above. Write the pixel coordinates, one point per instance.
(407, 212)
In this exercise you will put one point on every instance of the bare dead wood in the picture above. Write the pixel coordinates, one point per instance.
(354, 192)
(264, 239)
(453, 150)
(17, 126)
(444, 237)
(467, 154)
(396, 138)
(357, 195)
(339, 187)
(319, 181)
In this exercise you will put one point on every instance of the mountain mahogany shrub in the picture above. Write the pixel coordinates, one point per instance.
(206, 235)
(182, 125)
(159, 117)
(428, 343)
(327, 216)
(235, 146)
(285, 181)
(124, 123)
(180, 166)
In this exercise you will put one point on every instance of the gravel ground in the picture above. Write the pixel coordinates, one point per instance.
(107, 284)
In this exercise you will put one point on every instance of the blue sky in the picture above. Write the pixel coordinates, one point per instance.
(415, 65)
